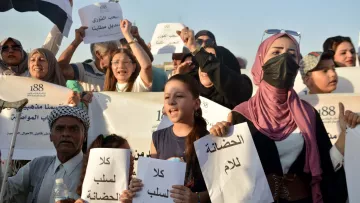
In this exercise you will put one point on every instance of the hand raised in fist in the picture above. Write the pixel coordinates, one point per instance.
(188, 37)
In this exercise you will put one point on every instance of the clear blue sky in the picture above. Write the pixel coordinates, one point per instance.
(237, 24)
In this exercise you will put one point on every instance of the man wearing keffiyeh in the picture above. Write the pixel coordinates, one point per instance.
(35, 181)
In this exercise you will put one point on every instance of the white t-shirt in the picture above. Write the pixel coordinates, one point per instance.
(139, 86)
(290, 148)
(89, 76)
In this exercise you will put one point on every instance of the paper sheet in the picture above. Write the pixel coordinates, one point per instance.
(107, 175)
(103, 22)
(231, 167)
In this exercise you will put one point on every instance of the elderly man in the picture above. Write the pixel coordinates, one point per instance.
(34, 183)
(91, 73)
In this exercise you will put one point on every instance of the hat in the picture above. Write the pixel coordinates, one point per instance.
(75, 112)
(310, 61)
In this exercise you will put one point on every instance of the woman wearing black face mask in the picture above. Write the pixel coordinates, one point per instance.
(298, 159)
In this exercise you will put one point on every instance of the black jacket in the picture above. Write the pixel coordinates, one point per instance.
(333, 184)
(230, 87)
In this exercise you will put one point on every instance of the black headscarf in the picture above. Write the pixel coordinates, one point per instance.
(226, 57)
(206, 33)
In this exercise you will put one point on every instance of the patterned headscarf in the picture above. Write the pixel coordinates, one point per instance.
(75, 112)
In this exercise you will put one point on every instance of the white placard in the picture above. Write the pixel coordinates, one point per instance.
(136, 116)
(107, 175)
(33, 137)
(327, 106)
(158, 177)
(103, 22)
(352, 164)
(165, 40)
(231, 167)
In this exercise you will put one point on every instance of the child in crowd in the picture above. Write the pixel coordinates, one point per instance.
(318, 72)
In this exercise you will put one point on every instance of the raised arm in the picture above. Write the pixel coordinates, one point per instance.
(53, 40)
(140, 54)
(136, 34)
(65, 58)
(235, 87)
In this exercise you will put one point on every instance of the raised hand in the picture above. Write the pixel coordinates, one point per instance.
(188, 37)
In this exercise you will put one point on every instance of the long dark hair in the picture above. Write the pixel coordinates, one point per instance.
(332, 43)
(199, 130)
(110, 141)
(110, 80)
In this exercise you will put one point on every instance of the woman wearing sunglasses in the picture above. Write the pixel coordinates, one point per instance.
(219, 81)
(298, 159)
(13, 59)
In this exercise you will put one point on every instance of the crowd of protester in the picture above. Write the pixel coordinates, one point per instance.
(288, 133)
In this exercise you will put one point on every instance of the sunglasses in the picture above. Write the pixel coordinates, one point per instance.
(277, 31)
(206, 43)
(14, 48)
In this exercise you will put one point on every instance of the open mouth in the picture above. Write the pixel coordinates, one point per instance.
(122, 72)
(38, 69)
(333, 82)
(173, 111)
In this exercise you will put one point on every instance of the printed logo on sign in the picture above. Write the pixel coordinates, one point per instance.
(104, 9)
(37, 90)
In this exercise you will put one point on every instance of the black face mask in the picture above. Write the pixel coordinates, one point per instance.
(281, 71)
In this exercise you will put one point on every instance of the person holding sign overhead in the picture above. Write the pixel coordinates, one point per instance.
(218, 82)
(175, 143)
(131, 71)
(90, 73)
(297, 156)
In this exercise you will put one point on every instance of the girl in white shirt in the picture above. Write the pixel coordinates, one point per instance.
(130, 71)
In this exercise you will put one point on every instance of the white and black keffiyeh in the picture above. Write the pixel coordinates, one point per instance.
(62, 111)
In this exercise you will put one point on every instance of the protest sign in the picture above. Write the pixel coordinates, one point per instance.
(33, 137)
(103, 22)
(327, 106)
(231, 167)
(348, 81)
(158, 177)
(165, 40)
(135, 116)
(351, 163)
(107, 175)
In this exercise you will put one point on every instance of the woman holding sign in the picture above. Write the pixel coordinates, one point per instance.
(182, 106)
(298, 159)
(130, 71)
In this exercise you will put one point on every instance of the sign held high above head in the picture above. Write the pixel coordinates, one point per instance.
(165, 39)
(103, 22)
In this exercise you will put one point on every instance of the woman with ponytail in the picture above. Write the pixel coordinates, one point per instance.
(110, 141)
(182, 106)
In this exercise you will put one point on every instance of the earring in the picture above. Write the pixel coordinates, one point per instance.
(196, 113)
